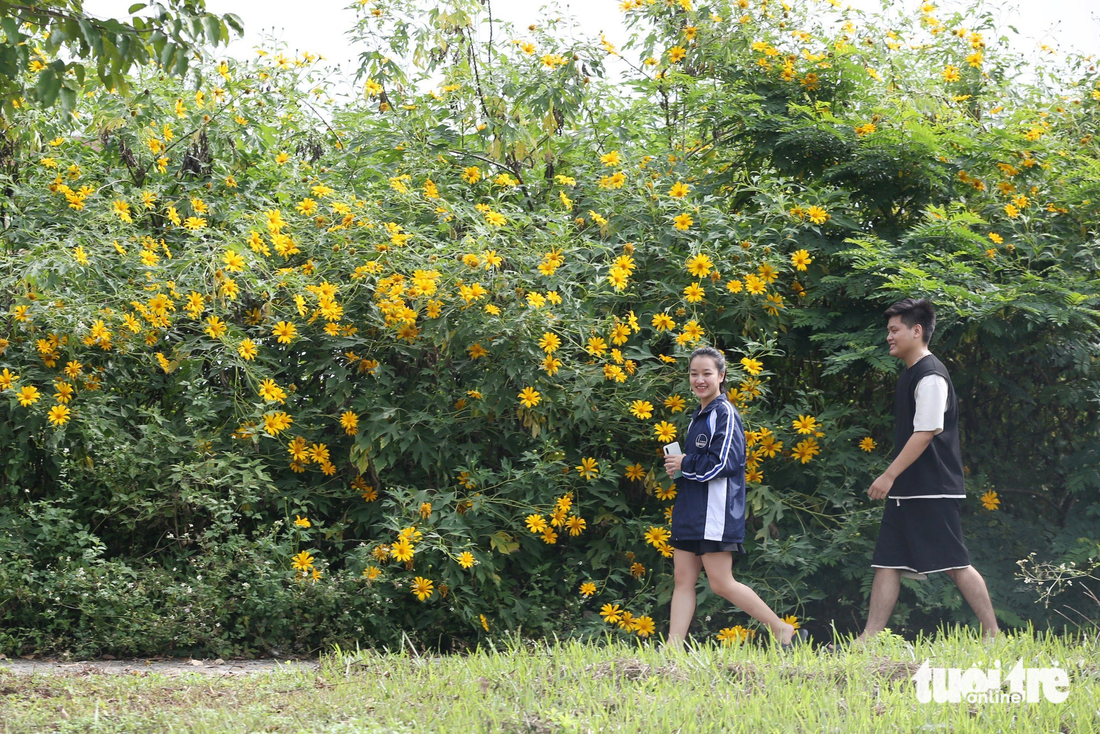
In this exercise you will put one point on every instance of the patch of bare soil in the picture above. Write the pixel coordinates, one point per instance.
(163, 666)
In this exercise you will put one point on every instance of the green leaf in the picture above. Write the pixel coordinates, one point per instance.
(48, 87)
(504, 543)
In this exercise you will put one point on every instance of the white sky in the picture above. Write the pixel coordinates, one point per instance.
(318, 26)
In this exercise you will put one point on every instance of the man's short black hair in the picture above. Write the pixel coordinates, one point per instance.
(913, 312)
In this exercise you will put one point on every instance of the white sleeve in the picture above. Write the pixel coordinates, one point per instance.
(931, 397)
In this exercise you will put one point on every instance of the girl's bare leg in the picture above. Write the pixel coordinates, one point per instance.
(719, 568)
(685, 575)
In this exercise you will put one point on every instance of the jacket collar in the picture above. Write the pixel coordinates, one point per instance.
(710, 406)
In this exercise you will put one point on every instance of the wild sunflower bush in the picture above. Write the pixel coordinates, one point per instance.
(282, 368)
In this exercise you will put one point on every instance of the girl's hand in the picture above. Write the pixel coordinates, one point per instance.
(672, 463)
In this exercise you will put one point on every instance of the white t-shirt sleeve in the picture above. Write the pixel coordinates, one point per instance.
(931, 397)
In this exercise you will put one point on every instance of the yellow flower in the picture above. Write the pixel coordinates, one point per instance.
(754, 284)
(402, 550)
(610, 159)
(752, 366)
(471, 174)
(990, 500)
(679, 190)
(692, 332)
(666, 493)
(682, 222)
(730, 635)
(215, 327)
(641, 409)
(663, 322)
(303, 561)
(549, 342)
(635, 472)
(676, 54)
(611, 613)
(950, 73)
(476, 351)
(804, 423)
(867, 444)
(282, 158)
(657, 536)
(550, 365)
(588, 469)
(800, 259)
(271, 392)
(588, 588)
(793, 621)
(806, 450)
(665, 431)
(350, 422)
(466, 559)
(596, 346)
(694, 293)
(422, 587)
(276, 423)
(575, 525)
(63, 395)
(234, 262)
(675, 403)
(644, 626)
(699, 265)
(817, 215)
(122, 210)
(529, 397)
(618, 278)
(58, 415)
(8, 378)
(735, 286)
(301, 522)
(536, 523)
(247, 349)
(285, 331)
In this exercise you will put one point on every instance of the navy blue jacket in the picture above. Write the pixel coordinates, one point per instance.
(710, 497)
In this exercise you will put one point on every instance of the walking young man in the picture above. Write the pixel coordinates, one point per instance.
(921, 532)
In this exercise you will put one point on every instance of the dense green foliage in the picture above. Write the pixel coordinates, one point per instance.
(293, 331)
(61, 43)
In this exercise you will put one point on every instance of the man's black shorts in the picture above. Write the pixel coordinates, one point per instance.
(921, 535)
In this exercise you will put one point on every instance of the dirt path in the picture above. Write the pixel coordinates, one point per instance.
(163, 666)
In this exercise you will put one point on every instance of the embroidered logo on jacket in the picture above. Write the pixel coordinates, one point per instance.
(701, 441)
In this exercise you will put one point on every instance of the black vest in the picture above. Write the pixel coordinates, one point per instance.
(939, 469)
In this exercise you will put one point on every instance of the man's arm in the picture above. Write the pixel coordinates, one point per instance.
(914, 447)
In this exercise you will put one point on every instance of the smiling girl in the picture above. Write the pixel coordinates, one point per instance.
(708, 520)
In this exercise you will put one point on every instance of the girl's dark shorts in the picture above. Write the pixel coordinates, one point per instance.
(699, 547)
(921, 535)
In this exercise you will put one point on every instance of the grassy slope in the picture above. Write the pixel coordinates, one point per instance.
(573, 687)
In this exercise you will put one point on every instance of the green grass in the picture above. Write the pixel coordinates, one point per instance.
(573, 687)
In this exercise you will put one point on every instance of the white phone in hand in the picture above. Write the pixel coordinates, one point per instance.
(672, 449)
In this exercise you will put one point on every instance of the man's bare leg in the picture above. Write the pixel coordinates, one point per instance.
(884, 595)
(973, 589)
